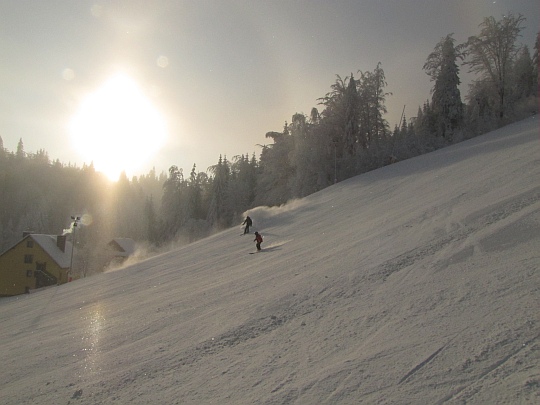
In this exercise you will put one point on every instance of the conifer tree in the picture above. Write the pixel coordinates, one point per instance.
(446, 101)
(20, 149)
(276, 169)
(535, 62)
(306, 156)
(151, 219)
(171, 203)
(523, 75)
(351, 134)
(195, 209)
(333, 117)
(372, 99)
(219, 210)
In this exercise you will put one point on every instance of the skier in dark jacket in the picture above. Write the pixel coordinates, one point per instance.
(258, 239)
(248, 222)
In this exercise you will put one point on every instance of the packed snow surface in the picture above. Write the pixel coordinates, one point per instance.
(418, 283)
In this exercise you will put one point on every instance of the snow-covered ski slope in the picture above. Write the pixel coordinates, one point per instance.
(418, 283)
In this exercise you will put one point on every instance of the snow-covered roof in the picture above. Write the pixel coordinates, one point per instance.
(125, 246)
(48, 243)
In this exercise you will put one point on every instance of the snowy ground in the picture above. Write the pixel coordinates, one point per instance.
(418, 283)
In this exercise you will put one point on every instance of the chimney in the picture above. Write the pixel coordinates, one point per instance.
(61, 242)
(26, 233)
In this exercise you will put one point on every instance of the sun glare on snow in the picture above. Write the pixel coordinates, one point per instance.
(117, 127)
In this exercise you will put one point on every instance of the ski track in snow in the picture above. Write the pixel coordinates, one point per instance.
(495, 215)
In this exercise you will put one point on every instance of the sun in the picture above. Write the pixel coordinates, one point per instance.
(117, 127)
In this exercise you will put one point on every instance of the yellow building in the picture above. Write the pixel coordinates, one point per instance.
(34, 262)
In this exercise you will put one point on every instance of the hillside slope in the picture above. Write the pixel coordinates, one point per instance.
(416, 283)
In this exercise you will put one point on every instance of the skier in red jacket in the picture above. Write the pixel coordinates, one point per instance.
(258, 239)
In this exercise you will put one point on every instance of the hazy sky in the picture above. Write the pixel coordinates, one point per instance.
(220, 74)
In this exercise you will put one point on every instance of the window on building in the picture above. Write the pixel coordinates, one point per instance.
(28, 258)
(30, 243)
(29, 273)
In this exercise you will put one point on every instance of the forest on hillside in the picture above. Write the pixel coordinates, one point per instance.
(345, 136)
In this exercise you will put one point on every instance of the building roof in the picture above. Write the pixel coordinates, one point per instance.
(48, 244)
(124, 246)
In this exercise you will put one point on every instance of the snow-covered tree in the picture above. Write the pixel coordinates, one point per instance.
(219, 213)
(351, 134)
(276, 169)
(243, 183)
(446, 104)
(535, 63)
(20, 149)
(195, 208)
(308, 156)
(172, 209)
(492, 53)
(333, 117)
(152, 223)
(523, 75)
(372, 99)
